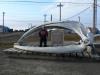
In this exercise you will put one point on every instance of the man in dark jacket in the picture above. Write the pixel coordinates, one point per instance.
(43, 34)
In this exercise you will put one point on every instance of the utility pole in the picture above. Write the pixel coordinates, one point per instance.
(79, 18)
(45, 15)
(51, 17)
(60, 5)
(3, 20)
(94, 16)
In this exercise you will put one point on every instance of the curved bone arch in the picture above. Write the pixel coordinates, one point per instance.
(72, 25)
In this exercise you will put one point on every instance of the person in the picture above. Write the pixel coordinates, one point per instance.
(43, 34)
(90, 36)
(91, 39)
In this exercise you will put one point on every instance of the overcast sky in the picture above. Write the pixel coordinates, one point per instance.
(21, 15)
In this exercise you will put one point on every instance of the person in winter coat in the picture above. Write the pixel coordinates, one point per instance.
(43, 34)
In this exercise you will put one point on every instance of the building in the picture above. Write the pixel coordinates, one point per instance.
(6, 29)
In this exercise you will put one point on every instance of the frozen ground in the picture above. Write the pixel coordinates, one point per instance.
(12, 66)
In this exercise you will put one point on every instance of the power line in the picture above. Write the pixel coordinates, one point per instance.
(79, 13)
(40, 2)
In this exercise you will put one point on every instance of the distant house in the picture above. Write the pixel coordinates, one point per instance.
(6, 29)
(97, 30)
